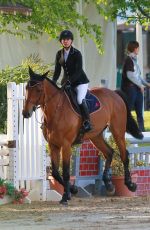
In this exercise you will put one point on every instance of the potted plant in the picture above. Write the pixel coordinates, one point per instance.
(8, 193)
(118, 172)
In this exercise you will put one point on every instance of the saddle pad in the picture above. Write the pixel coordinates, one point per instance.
(93, 102)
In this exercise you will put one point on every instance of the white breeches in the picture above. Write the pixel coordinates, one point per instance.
(81, 91)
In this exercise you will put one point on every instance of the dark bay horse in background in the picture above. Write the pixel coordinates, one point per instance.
(63, 125)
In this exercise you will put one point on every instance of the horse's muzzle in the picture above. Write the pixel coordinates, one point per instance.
(27, 114)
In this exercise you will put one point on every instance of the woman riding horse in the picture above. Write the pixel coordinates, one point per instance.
(71, 60)
(63, 125)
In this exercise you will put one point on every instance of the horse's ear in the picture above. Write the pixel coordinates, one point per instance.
(31, 73)
(45, 74)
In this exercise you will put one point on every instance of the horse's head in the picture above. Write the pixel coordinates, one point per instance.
(34, 93)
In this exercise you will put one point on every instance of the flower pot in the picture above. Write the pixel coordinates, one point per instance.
(7, 199)
(54, 185)
(120, 188)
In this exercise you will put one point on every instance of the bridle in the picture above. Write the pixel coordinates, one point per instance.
(36, 105)
(33, 84)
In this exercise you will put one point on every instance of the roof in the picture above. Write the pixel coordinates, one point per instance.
(9, 8)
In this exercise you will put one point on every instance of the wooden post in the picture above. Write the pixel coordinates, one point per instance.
(140, 40)
(79, 39)
(140, 55)
(12, 133)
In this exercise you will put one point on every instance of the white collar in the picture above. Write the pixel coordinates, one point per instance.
(67, 51)
(132, 55)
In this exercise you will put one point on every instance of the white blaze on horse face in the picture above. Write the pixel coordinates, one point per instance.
(29, 100)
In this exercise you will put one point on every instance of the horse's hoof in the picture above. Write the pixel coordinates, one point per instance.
(131, 186)
(69, 197)
(63, 202)
(111, 190)
(65, 198)
(73, 189)
(140, 135)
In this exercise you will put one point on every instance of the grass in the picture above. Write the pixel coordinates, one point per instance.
(146, 119)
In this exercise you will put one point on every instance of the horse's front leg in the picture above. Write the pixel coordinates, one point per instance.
(66, 153)
(55, 162)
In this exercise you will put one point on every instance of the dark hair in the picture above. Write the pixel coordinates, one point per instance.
(66, 34)
(132, 45)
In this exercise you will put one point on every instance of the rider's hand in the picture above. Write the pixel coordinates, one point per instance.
(67, 85)
(142, 89)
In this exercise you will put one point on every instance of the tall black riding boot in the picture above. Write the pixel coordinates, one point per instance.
(85, 115)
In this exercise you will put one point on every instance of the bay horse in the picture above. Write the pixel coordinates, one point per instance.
(62, 125)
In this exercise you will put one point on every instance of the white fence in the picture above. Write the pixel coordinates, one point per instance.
(139, 150)
(139, 158)
(23, 149)
(4, 156)
(27, 157)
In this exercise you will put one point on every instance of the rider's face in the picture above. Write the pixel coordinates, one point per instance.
(66, 42)
(136, 50)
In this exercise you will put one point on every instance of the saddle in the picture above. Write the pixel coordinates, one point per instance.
(92, 101)
(93, 104)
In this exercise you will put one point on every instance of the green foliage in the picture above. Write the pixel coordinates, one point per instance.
(146, 119)
(7, 188)
(3, 108)
(52, 16)
(10, 188)
(132, 11)
(18, 74)
(116, 165)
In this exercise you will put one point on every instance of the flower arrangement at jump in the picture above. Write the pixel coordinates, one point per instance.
(7, 188)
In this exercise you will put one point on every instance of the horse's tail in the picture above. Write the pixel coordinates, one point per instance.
(131, 126)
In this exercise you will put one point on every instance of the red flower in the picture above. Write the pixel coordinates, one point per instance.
(9, 189)
(3, 191)
(20, 201)
(24, 192)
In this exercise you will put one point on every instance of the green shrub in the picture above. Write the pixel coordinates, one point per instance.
(3, 108)
(116, 165)
(146, 119)
(18, 74)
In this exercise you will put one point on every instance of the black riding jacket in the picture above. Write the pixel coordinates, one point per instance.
(73, 70)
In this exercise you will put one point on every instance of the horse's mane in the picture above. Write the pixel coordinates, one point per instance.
(52, 82)
(36, 78)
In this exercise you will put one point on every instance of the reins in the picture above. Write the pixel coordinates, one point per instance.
(41, 90)
(37, 104)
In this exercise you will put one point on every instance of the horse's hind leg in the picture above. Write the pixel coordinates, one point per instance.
(124, 154)
(107, 151)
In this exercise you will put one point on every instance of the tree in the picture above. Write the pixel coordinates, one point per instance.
(51, 16)
(131, 10)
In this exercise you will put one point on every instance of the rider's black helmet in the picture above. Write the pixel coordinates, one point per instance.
(66, 34)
